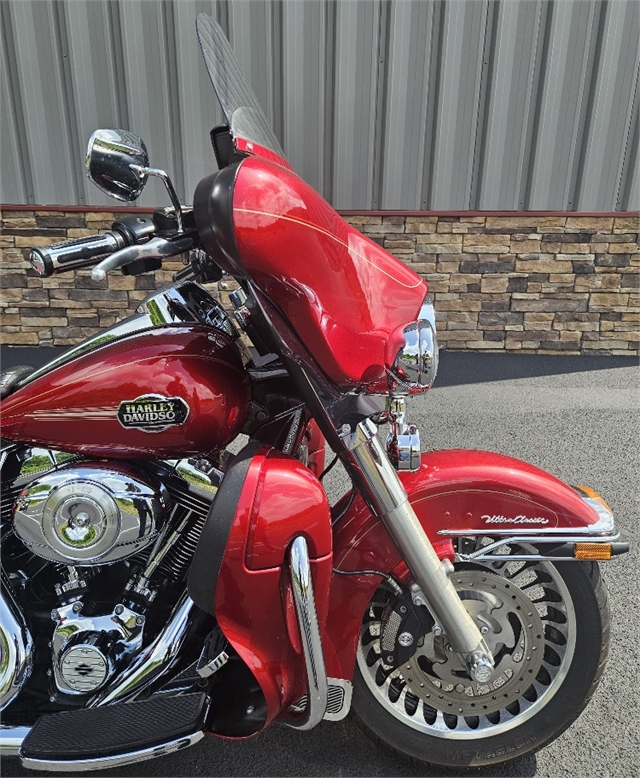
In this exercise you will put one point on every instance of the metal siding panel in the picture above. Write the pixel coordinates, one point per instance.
(511, 106)
(145, 61)
(92, 81)
(13, 187)
(40, 80)
(565, 93)
(398, 104)
(613, 114)
(464, 35)
(407, 104)
(15, 183)
(355, 102)
(304, 87)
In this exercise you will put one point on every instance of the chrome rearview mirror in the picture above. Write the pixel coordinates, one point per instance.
(117, 163)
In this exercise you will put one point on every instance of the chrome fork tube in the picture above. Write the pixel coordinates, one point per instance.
(391, 502)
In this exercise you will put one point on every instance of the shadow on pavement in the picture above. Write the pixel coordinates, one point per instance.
(475, 368)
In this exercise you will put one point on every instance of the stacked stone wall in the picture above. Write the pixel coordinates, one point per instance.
(529, 283)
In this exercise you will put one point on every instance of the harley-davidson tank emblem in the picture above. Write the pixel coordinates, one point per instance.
(153, 412)
(514, 520)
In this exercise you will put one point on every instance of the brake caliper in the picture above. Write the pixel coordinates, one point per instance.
(403, 625)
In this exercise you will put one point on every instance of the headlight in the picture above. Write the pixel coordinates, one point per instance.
(416, 364)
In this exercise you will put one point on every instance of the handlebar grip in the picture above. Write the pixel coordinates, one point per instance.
(73, 254)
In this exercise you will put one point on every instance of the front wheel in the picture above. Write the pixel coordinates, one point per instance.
(547, 626)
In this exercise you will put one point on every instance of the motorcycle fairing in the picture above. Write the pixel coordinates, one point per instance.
(239, 571)
(346, 297)
(452, 490)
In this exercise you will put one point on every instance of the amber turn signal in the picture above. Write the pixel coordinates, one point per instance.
(592, 550)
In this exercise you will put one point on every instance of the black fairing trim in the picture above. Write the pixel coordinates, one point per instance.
(213, 213)
(207, 559)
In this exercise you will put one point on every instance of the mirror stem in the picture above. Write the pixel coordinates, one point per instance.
(151, 171)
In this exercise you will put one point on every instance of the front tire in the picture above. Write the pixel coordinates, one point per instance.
(466, 725)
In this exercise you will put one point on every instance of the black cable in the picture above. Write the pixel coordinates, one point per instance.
(352, 497)
(388, 578)
(328, 468)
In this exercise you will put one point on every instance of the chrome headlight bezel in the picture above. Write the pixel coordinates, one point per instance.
(416, 363)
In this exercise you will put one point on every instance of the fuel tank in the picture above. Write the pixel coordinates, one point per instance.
(169, 382)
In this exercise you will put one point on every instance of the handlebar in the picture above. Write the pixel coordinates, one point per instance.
(73, 254)
(131, 239)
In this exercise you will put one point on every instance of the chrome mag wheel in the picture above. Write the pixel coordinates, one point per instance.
(527, 617)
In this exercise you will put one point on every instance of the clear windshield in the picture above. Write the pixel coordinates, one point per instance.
(243, 112)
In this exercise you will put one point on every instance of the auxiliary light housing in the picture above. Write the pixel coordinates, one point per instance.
(416, 364)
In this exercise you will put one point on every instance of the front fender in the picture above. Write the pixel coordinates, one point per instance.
(462, 490)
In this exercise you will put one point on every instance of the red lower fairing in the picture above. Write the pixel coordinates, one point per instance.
(453, 490)
(280, 500)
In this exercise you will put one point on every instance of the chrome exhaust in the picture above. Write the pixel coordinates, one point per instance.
(153, 661)
(16, 646)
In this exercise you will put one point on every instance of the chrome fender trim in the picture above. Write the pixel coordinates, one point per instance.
(305, 605)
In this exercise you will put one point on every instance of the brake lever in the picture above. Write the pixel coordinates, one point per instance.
(157, 248)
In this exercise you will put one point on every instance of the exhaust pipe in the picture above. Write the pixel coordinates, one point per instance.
(16, 646)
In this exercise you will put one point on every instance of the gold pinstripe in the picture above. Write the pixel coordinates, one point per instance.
(334, 238)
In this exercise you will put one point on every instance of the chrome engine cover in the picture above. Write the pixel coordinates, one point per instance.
(89, 514)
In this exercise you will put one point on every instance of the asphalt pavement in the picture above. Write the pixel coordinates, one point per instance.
(576, 417)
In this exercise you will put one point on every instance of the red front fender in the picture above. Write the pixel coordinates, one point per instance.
(455, 490)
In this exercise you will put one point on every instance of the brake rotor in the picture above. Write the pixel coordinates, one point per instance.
(513, 631)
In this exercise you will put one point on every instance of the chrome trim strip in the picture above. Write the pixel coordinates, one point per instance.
(11, 739)
(484, 553)
(300, 570)
(63, 766)
(546, 535)
(153, 661)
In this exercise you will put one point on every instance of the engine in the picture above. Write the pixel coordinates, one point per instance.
(89, 514)
(113, 535)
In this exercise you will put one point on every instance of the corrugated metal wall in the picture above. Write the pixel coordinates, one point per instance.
(380, 104)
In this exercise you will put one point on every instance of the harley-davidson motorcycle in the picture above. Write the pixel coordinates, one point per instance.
(156, 587)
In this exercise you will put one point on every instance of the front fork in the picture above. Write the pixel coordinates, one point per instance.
(389, 500)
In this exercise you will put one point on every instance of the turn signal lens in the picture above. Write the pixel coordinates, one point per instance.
(592, 551)
(594, 496)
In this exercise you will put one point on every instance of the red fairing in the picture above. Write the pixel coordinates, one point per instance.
(456, 489)
(280, 500)
(78, 406)
(346, 297)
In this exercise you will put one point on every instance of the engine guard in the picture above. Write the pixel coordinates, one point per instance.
(461, 494)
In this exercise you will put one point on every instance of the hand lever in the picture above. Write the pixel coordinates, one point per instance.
(158, 248)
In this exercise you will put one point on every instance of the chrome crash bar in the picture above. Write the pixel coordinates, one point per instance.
(304, 600)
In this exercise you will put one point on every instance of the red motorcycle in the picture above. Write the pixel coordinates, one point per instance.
(156, 587)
